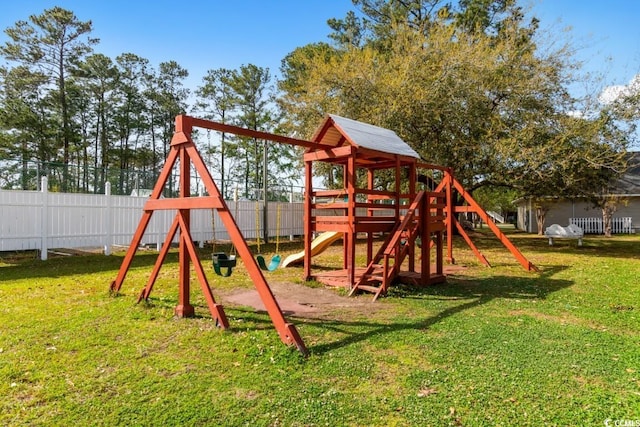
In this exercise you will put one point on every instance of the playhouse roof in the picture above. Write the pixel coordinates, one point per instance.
(336, 131)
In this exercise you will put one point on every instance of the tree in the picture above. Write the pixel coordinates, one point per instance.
(218, 101)
(256, 110)
(25, 118)
(167, 98)
(250, 86)
(51, 43)
(466, 87)
(99, 75)
(129, 113)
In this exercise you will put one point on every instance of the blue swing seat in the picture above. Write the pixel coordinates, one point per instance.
(273, 265)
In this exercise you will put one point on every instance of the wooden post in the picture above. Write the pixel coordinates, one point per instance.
(351, 215)
(184, 307)
(425, 249)
(370, 182)
(308, 218)
(450, 213)
(420, 219)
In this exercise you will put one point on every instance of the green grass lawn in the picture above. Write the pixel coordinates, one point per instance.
(492, 346)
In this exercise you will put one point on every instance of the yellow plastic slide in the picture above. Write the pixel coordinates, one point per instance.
(318, 245)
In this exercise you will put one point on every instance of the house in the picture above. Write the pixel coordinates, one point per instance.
(581, 211)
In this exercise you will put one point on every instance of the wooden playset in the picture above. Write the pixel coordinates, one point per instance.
(413, 222)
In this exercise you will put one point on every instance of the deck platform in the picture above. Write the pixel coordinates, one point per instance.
(340, 278)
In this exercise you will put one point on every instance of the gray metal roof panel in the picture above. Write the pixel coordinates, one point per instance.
(629, 182)
(373, 137)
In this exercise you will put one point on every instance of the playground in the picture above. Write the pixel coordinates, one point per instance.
(413, 221)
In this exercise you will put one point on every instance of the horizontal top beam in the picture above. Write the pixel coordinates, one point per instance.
(423, 165)
(186, 123)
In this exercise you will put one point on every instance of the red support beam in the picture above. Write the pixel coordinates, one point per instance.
(164, 250)
(526, 264)
(186, 203)
(351, 214)
(308, 213)
(184, 307)
(236, 130)
(328, 154)
(370, 213)
(470, 243)
(425, 236)
(448, 183)
(184, 151)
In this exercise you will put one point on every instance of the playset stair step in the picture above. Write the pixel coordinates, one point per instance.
(368, 288)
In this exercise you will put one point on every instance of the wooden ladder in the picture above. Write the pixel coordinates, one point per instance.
(381, 271)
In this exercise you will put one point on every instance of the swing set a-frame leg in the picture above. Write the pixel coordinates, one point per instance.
(183, 149)
(475, 207)
(470, 243)
(216, 310)
(133, 247)
(144, 222)
(287, 331)
(159, 261)
(448, 184)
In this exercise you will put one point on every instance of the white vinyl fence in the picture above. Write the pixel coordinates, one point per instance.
(621, 225)
(41, 220)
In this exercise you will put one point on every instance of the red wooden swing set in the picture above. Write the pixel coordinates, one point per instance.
(409, 219)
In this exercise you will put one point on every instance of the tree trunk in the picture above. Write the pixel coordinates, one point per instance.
(541, 213)
(25, 166)
(65, 123)
(607, 221)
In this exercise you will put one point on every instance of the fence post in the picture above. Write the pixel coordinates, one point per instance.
(108, 240)
(44, 218)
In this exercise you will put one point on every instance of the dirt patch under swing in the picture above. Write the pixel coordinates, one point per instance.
(301, 300)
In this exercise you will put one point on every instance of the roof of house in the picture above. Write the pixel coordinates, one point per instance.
(336, 130)
(629, 183)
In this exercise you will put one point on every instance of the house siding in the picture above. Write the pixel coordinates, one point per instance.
(561, 210)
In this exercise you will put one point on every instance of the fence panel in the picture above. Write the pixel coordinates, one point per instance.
(619, 225)
(20, 219)
(39, 220)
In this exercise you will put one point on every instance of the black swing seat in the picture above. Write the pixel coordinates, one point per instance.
(222, 260)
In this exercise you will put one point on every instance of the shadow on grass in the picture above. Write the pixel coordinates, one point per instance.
(26, 264)
(599, 246)
(470, 293)
(465, 294)
(28, 268)
(620, 246)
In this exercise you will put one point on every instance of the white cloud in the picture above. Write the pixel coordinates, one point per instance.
(611, 93)
(575, 114)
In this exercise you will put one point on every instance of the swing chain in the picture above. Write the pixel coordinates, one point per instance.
(213, 231)
(258, 225)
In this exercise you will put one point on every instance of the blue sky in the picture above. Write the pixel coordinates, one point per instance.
(207, 34)
(605, 33)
